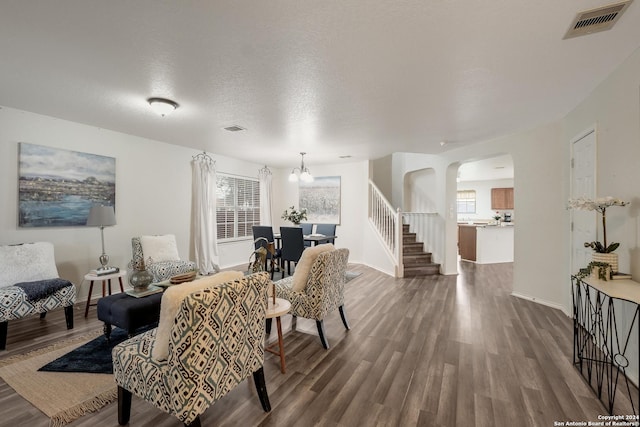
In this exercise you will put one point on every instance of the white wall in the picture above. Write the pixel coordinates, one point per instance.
(539, 211)
(354, 179)
(153, 195)
(614, 109)
(541, 180)
(420, 190)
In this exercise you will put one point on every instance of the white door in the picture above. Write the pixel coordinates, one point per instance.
(583, 183)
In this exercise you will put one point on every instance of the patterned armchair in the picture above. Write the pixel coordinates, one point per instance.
(217, 340)
(29, 284)
(323, 292)
(161, 267)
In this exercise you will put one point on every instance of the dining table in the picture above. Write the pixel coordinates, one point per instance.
(315, 239)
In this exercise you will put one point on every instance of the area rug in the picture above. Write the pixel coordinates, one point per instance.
(93, 357)
(350, 275)
(62, 396)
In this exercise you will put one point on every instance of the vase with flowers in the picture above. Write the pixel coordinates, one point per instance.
(497, 217)
(294, 216)
(603, 251)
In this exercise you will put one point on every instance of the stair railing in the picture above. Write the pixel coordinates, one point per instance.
(388, 223)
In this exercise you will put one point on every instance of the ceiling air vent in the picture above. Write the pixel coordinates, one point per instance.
(595, 20)
(234, 128)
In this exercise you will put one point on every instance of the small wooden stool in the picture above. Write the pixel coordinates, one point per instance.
(277, 309)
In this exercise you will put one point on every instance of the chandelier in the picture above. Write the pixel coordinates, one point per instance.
(302, 171)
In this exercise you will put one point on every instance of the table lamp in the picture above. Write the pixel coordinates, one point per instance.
(102, 216)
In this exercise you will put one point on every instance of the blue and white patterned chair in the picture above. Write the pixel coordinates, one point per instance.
(161, 268)
(217, 341)
(29, 284)
(322, 290)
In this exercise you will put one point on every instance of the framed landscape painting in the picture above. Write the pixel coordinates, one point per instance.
(56, 188)
(321, 199)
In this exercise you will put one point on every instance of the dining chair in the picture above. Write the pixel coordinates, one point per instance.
(292, 246)
(307, 228)
(327, 230)
(266, 232)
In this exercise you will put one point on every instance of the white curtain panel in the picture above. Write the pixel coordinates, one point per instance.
(203, 214)
(264, 175)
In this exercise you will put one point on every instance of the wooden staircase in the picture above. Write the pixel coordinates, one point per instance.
(416, 261)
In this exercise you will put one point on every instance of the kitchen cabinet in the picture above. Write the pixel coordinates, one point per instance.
(502, 198)
(467, 242)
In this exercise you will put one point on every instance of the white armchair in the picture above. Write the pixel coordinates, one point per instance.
(162, 252)
(29, 284)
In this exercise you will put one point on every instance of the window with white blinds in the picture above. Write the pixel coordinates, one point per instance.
(237, 206)
(466, 201)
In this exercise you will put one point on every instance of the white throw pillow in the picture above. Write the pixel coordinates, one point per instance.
(170, 304)
(160, 248)
(27, 262)
(303, 267)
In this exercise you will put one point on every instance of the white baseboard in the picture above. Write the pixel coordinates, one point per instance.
(388, 273)
(557, 306)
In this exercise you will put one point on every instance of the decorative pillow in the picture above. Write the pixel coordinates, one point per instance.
(303, 267)
(160, 248)
(27, 262)
(170, 304)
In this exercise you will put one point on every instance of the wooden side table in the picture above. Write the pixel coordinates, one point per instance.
(277, 309)
(106, 279)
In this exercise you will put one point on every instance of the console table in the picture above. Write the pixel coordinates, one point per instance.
(600, 340)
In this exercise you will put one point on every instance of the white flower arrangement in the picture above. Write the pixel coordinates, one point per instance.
(295, 216)
(599, 205)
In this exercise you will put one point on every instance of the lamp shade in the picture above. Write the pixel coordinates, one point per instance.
(101, 216)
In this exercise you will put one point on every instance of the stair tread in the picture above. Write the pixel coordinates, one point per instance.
(432, 269)
(416, 261)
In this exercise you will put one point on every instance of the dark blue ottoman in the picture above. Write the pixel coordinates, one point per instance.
(127, 312)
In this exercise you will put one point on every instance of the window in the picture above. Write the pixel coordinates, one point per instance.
(237, 206)
(466, 201)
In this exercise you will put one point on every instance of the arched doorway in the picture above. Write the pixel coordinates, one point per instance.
(485, 191)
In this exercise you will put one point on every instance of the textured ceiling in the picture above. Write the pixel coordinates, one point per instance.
(363, 78)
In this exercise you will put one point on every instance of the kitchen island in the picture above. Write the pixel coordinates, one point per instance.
(486, 243)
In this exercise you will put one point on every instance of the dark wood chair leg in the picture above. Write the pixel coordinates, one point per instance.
(194, 423)
(43, 315)
(294, 322)
(3, 335)
(268, 326)
(261, 388)
(124, 406)
(320, 325)
(107, 330)
(68, 316)
(344, 317)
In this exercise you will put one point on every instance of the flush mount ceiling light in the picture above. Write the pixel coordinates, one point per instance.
(162, 106)
(305, 175)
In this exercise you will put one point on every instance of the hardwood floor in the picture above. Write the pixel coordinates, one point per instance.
(428, 351)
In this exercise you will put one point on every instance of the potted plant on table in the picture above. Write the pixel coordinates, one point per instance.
(497, 217)
(294, 216)
(603, 252)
